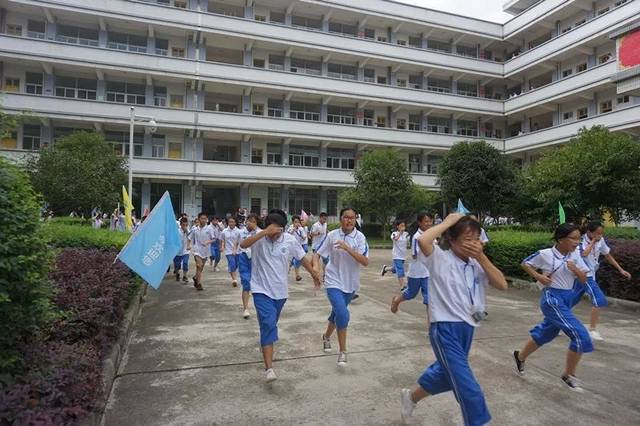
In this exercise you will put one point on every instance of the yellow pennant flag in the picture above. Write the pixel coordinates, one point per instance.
(128, 207)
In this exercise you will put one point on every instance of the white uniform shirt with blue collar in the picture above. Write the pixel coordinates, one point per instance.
(184, 239)
(417, 268)
(244, 234)
(592, 260)
(551, 261)
(270, 265)
(215, 230)
(300, 234)
(321, 230)
(342, 271)
(399, 250)
(199, 236)
(231, 238)
(456, 288)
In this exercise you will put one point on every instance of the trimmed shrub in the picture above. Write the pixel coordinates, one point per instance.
(64, 235)
(622, 233)
(507, 249)
(24, 262)
(627, 253)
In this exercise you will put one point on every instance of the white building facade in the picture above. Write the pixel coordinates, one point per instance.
(272, 103)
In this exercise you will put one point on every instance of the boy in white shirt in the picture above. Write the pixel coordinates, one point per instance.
(216, 230)
(181, 260)
(301, 234)
(244, 261)
(271, 250)
(399, 252)
(201, 238)
(230, 244)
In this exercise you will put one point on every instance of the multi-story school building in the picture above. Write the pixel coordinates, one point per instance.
(271, 103)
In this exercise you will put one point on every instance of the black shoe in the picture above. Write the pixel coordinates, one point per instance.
(355, 296)
(573, 383)
(384, 270)
(519, 364)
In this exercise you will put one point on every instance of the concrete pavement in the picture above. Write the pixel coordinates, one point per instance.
(193, 360)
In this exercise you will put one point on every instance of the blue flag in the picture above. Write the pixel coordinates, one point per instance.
(461, 208)
(151, 249)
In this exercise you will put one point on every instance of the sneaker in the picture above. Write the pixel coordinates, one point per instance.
(271, 375)
(326, 344)
(407, 405)
(519, 364)
(185, 279)
(178, 276)
(573, 383)
(245, 314)
(342, 359)
(383, 270)
(215, 269)
(355, 296)
(298, 278)
(595, 335)
(234, 283)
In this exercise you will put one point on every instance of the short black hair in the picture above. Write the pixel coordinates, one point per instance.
(564, 230)
(323, 214)
(280, 212)
(593, 225)
(422, 215)
(294, 217)
(202, 214)
(466, 223)
(182, 220)
(276, 219)
(344, 209)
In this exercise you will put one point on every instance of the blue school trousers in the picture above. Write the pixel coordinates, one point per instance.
(297, 263)
(598, 299)
(232, 262)
(414, 285)
(268, 311)
(398, 267)
(556, 305)
(215, 251)
(451, 342)
(339, 312)
(244, 266)
(181, 261)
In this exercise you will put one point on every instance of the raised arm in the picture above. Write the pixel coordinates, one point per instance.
(269, 231)
(587, 250)
(425, 241)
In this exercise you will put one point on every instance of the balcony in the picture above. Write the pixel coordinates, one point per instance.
(532, 14)
(552, 92)
(620, 119)
(107, 112)
(597, 27)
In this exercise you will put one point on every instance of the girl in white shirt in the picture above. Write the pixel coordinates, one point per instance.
(244, 261)
(301, 234)
(399, 252)
(230, 238)
(457, 282)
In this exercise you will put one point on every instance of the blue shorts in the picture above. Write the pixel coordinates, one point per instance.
(244, 266)
(555, 305)
(215, 251)
(232, 262)
(398, 267)
(414, 285)
(181, 262)
(598, 299)
(339, 311)
(451, 342)
(268, 311)
(297, 263)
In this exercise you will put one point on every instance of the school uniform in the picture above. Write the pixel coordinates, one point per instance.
(342, 273)
(231, 238)
(557, 300)
(198, 238)
(301, 235)
(418, 274)
(456, 291)
(321, 229)
(244, 259)
(215, 245)
(269, 281)
(181, 260)
(592, 260)
(399, 252)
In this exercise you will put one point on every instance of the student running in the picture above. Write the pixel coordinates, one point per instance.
(398, 252)
(230, 238)
(181, 260)
(244, 261)
(201, 238)
(300, 233)
(216, 230)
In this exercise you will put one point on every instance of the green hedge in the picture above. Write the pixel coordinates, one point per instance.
(64, 235)
(507, 249)
(68, 220)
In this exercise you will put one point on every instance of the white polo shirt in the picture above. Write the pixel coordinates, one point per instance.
(593, 259)
(417, 268)
(270, 265)
(198, 237)
(321, 229)
(215, 230)
(456, 287)
(342, 271)
(244, 234)
(551, 261)
(300, 234)
(399, 250)
(231, 237)
(184, 239)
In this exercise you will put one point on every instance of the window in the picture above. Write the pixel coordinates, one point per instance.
(75, 35)
(125, 93)
(368, 117)
(346, 29)
(303, 199)
(341, 115)
(415, 81)
(341, 159)
(415, 163)
(581, 67)
(181, 4)
(274, 108)
(401, 42)
(274, 154)
(605, 106)
(277, 17)
(439, 46)
(175, 150)
(467, 128)
(256, 204)
(120, 142)
(369, 33)
(80, 88)
(401, 123)
(35, 29)
(303, 156)
(467, 89)
(302, 21)
(160, 96)
(260, 18)
(415, 42)
(567, 115)
(176, 101)
(258, 109)
(619, 3)
(369, 75)
(382, 39)
(582, 113)
(414, 122)
(14, 29)
(276, 62)
(306, 66)
(604, 58)
(162, 47)
(304, 111)
(347, 72)
(438, 85)
(177, 52)
(274, 196)
(34, 83)
(467, 51)
(567, 73)
(382, 79)
(603, 11)
(432, 163)
(11, 84)
(623, 99)
(438, 125)
(564, 30)
(580, 22)
(217, 151)
(130, 42)
(381, 121)
(332, 202)
(10, 141)
(401, 82)
(31, 137)
(258, 63)
(158, 146)
(256, 156)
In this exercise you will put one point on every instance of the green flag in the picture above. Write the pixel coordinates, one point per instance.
(561, 213)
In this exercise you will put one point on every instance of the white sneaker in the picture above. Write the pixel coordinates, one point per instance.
(342, 359)
(216, 269)
(245, 314)
(595, 335)
(271, 375)
(407, 405)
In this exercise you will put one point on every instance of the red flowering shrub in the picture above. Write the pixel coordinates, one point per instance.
(627, 253)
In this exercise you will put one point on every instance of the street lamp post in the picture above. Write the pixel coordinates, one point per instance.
(149, 122)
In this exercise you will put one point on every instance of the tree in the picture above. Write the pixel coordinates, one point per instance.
(79, 171)
(481, 175)
(596, 172)
(383, 186)
(8, 123)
